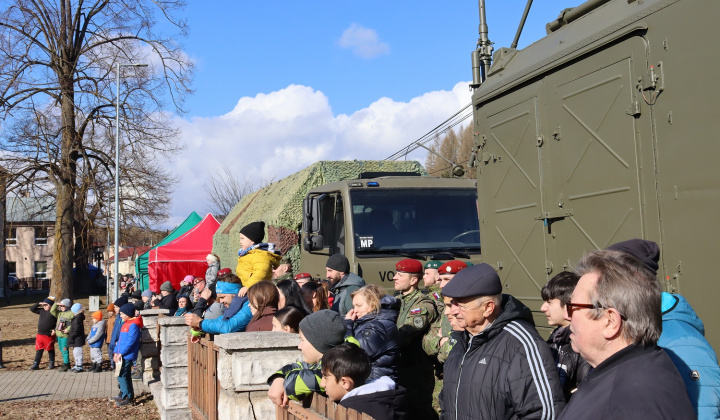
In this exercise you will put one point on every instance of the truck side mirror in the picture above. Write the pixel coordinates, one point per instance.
(311, 211)
(313, 243)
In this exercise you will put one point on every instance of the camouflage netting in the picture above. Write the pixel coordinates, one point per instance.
(279, 205)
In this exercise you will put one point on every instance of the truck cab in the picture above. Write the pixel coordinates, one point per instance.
(377, 221)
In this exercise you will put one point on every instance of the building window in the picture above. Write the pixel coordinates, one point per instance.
(41, 235)
(40, 269)
(11, 266)
(11, 236)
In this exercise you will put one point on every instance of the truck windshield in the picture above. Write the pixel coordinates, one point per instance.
(415, 220)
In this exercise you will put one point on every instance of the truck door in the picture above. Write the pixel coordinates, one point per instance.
(599, 154)
(326, 234)
(511, 190)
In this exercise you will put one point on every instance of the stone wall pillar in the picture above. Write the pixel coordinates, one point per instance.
(149, 345)
(171, 392)
(245, 361)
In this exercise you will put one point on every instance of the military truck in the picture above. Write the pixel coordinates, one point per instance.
(381, 218)
(604, 130)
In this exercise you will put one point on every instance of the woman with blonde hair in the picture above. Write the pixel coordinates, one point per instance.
(372, 322)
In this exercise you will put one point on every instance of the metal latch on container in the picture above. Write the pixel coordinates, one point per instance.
(558, 214)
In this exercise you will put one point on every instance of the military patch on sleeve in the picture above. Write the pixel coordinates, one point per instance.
(437, 296)
(418, 322)
(415, 311)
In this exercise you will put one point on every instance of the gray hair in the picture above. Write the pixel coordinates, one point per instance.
(627, 286)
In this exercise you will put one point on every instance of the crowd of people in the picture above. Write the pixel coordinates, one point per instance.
(448, 344)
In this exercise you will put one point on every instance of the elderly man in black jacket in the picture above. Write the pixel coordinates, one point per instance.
(615, 320)
(500, 367)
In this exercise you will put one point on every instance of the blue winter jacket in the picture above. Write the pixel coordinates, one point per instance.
(378, 335)
(235, 318)
(115, 332)
(683, 339)
(96, 339)
(128, 345)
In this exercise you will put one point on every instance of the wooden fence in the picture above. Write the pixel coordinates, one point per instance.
(319, 408)
(203, 384)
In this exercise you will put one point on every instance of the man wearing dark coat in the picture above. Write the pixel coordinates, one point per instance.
(615, 322)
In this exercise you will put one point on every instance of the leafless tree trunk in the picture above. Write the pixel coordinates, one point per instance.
(58, 60)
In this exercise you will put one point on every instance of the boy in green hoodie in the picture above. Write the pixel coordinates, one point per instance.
(62, 330)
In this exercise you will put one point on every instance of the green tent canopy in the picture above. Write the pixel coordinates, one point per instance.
(141, 264)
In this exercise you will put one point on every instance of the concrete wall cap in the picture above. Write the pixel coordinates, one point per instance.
(257, 340)
(153, 312)
(172, 321)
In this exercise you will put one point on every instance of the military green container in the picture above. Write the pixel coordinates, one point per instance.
(602, 131)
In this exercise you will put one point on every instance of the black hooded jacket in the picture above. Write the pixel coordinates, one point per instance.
(76, 336)
(378, 336)
(383, 405)
(505, 372)
(572, 368)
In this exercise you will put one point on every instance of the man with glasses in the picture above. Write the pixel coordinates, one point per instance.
(499, 367)
(615, 322)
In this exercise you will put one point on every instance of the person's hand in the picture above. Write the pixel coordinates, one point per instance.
(351, 315)
(443, 341)
(206, 293)
(193, 320)
(117, 358)
(276, 393)
(52, 333)
(242, 292)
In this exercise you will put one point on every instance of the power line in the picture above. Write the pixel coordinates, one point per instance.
(444, 127)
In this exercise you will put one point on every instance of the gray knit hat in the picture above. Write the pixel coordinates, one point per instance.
(167, 287)
(323, 329)
(338, 262)
(66, 303)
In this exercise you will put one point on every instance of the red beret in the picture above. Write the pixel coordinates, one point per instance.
(409, 266)
(224, 271)
(303, 276)
(451, 267)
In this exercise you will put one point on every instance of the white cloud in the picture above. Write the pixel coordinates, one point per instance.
(273, 135)
(364, 42)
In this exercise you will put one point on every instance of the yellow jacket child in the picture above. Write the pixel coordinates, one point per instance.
(256, 259)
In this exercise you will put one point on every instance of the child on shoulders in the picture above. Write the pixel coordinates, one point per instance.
(256, 260)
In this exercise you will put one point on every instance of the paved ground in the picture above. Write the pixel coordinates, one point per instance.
(53, 385)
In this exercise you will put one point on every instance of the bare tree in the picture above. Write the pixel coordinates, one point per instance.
(226, 189)
(58, 60)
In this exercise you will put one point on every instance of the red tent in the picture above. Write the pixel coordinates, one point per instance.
(185, 255)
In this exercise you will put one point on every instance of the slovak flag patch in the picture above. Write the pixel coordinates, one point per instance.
(415, 311)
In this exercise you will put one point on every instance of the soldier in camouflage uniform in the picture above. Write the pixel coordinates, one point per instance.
(436, 342)
(417, 314)
(283, 271)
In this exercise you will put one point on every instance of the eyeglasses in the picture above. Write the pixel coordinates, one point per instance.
(571, 307)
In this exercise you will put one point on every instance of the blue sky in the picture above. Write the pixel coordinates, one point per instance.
(280, 85)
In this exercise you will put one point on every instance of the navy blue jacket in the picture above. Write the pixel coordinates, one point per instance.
(378, 335)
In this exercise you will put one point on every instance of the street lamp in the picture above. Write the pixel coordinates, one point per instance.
(117, 169)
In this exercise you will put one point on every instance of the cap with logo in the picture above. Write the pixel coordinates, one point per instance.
(451, 267)
(433, 264)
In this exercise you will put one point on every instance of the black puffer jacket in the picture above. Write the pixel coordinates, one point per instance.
(76, 336)
(572, 368)
(505, 372)
(378, 336)
(168, 302)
